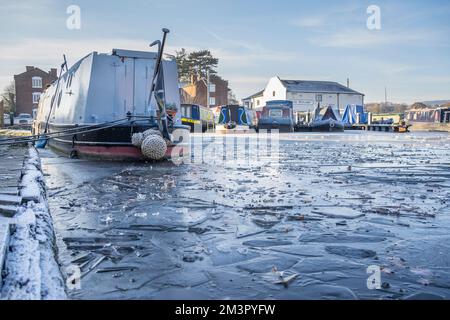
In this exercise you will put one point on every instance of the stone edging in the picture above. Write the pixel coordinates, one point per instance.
(31, 268)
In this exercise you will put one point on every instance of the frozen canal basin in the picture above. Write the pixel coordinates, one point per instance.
(305, 227)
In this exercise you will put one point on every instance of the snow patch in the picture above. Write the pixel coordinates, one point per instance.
(32, 272)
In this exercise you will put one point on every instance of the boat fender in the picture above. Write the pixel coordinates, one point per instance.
(137, 139)
(150, 132)
(154, 147)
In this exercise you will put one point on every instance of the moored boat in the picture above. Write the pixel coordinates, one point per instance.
(236, 119)
(326, 119)
(277, 115)
(96, 106)
(197, 117)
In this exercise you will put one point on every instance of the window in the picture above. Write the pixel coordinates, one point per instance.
(318, 98)
(257, 102)
(186, 111)
(36, 97)
(212, 101)
(212, 87)
(274, 93)
(36, 82)
(276, 113)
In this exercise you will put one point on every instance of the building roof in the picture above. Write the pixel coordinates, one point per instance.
(316, 86)
(258, 94)
(33, 69)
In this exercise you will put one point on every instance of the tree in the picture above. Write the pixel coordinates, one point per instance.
(9, 98)
(195, 63)
(184, 67)
(232, 97)
(400, 108)
(201, 61)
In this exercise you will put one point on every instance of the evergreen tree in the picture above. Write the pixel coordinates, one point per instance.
(195, 63)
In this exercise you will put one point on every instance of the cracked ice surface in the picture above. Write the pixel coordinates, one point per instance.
(335, 204)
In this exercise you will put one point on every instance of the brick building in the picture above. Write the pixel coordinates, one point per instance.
(29, 86)
(195, 92)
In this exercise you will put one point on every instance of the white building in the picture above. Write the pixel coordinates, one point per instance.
(255, 101)
(306, 95)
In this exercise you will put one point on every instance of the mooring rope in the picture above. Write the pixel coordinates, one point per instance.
(67, 132)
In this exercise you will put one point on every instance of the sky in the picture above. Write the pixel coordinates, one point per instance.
(253, 39)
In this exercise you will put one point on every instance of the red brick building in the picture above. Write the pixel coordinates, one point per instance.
(29, 86)
(195, 92)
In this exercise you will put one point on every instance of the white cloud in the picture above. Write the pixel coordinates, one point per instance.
(308, 22)
(360, 38)
(47, 53)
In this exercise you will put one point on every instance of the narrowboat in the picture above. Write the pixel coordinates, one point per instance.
(326, 119)
(429, 119)
(277, 115)
(194, 115)
(95, 107)
(236, 119)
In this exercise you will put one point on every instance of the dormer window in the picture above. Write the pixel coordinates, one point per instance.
(36, 82)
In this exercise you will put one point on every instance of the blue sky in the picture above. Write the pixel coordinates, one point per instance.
(254, 40)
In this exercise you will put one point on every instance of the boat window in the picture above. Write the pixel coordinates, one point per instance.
(276, 113)
(186, 110)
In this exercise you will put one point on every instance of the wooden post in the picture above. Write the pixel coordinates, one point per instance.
(2, 112)
(369, 121)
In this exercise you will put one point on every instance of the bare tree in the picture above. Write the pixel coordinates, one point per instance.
(9, 97)
(232, 97)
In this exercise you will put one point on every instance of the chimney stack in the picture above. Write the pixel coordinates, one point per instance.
(53, 72)
(29, 68)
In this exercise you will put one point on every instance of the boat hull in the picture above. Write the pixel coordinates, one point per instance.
(327, 126)
(430, 126)
(281, 128)
(239, 129)
(105, 144)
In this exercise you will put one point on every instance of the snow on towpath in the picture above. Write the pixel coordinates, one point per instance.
(31, 269)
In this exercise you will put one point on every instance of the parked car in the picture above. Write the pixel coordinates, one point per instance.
(23, 118)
